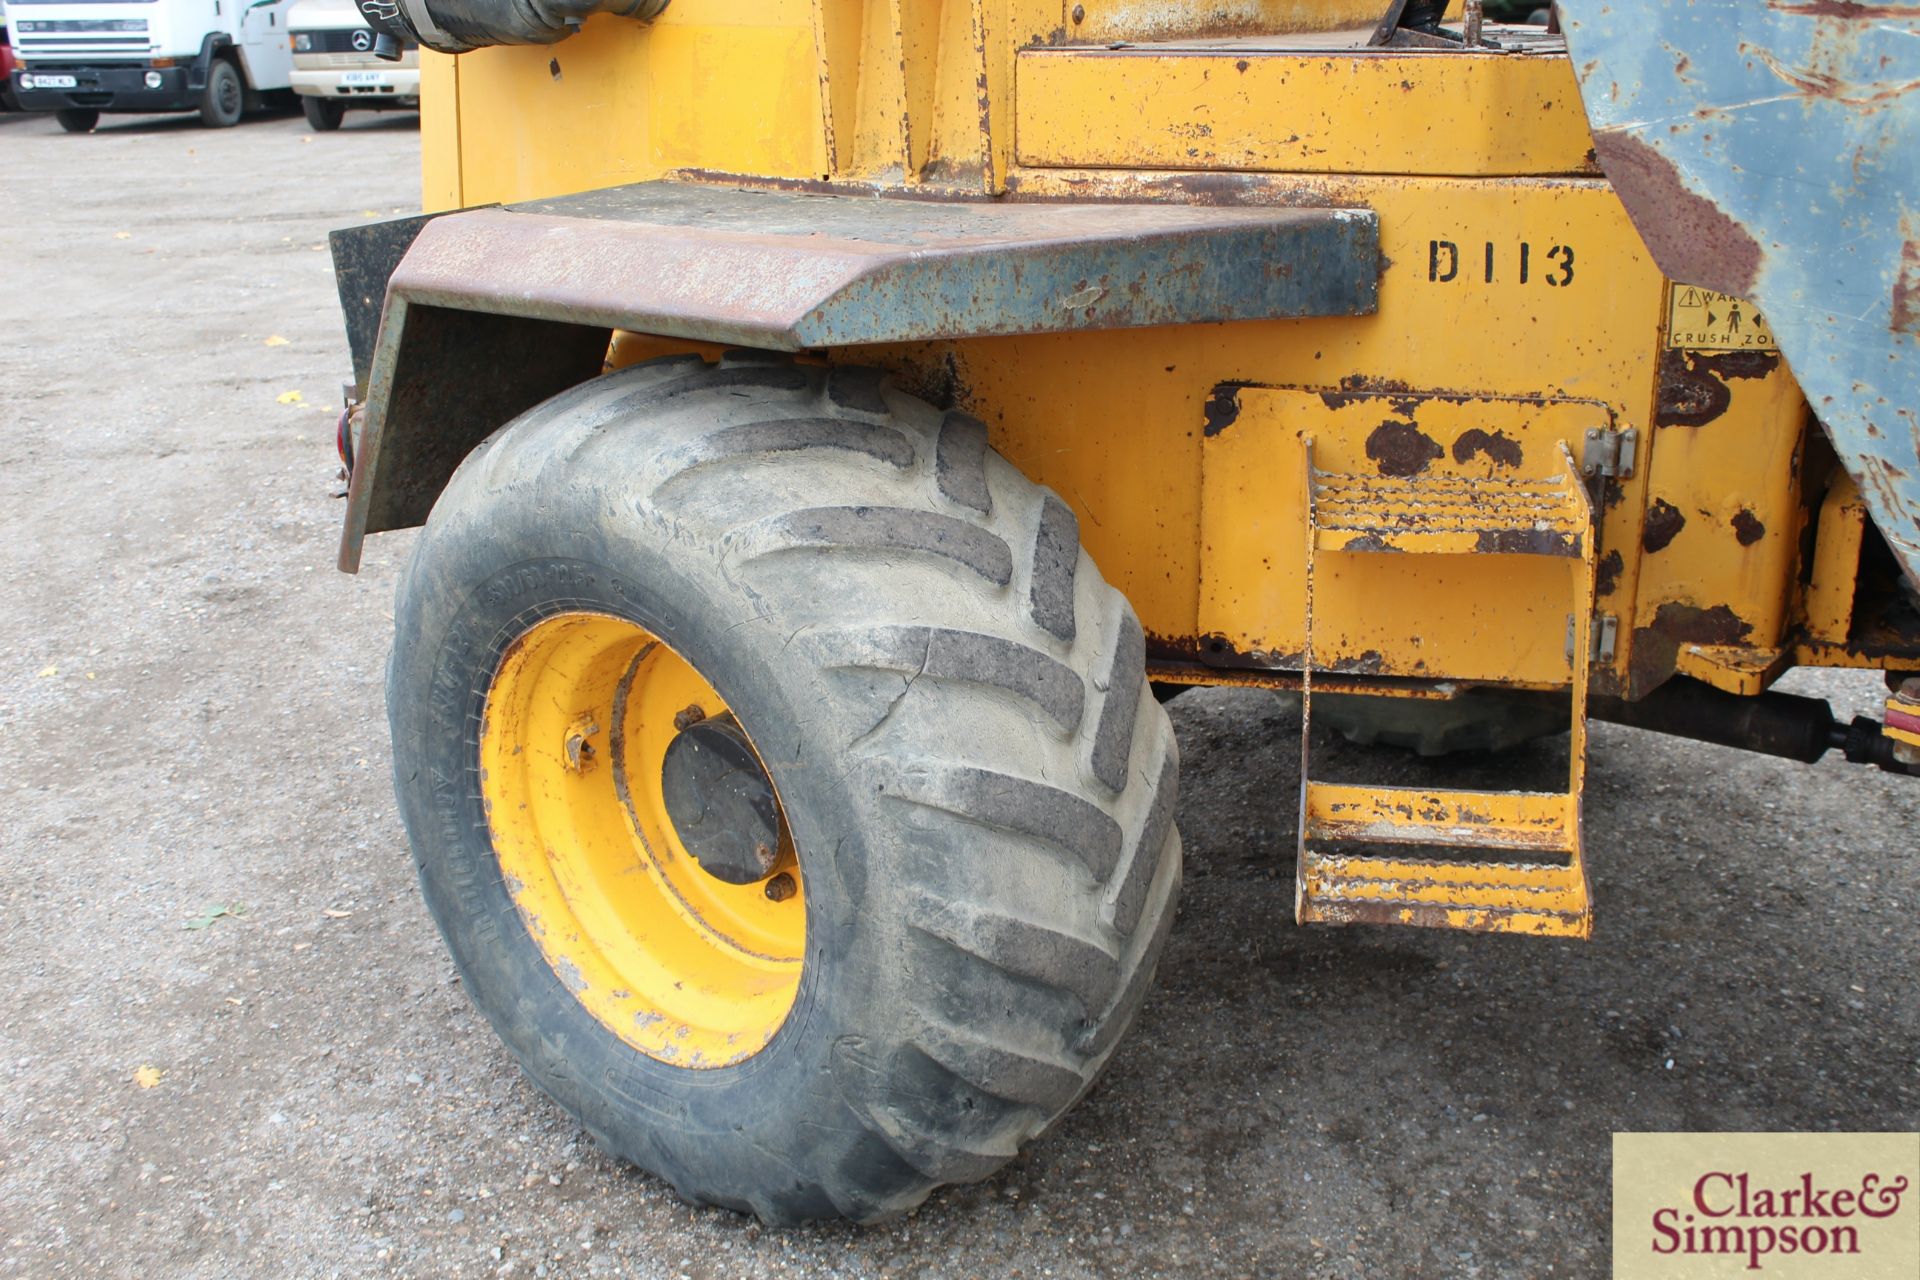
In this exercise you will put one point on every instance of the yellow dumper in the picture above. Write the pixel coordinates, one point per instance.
(838, 423)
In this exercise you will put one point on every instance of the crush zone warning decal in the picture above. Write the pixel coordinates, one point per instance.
(1702, 320)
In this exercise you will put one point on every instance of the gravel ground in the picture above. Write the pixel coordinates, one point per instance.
(191, 720)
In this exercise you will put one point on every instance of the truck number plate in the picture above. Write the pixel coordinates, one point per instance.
(364, 77)
(50, 82)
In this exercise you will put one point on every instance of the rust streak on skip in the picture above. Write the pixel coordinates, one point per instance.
(1906, 291)
(1691, 237)
(1818, 84)
(1843, 9)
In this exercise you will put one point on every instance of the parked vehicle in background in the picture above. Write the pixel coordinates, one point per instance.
(82, 58)
(7, 100)
(334, 67)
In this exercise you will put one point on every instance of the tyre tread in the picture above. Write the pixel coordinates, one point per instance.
(1013, 1007)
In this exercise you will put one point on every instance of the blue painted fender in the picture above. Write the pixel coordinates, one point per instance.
(1770, 149)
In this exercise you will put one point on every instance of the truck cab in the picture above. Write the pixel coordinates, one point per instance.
(335, 68)
(82, 58)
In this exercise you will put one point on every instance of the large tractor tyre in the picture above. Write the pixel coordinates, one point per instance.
(784, 779)
(225, 98)
(1476, 720)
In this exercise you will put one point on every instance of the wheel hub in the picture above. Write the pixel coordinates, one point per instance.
(642, 840)
(721, 801)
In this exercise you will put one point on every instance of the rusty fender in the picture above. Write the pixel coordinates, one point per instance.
(491, 311)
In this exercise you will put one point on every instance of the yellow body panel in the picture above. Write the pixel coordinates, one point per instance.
(1523, 288)
(1836, 565)
(440, 186)
(1725, 513)
(624, 101)
(1235, 107)
(1116, 422)
(1471, 616)
(1519, 318)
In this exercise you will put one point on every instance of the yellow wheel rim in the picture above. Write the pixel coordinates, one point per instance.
(683, 966)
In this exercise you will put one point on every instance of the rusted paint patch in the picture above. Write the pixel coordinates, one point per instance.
(1664, 522)
(1690, 624)
(1691, 238)
(1685, 397)
(1906, 291)
(1691, 387)
(1368, 542)
(1726, 365)
(1371, 662)
(1656, 647)
(1606, 574)
(1402, 449)
(1357, 387)
(1527, 542)
(1222, 407)
(1215, 650)
(1747, 528)
(1499, 447)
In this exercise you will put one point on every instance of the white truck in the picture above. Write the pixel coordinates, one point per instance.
(335, 68)
(80, 58)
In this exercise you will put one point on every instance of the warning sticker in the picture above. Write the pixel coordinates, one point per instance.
(1702, 320)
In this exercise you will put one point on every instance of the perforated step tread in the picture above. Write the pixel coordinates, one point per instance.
(1528, 875)
(1487, 897)
(1448, 515)
(1519, 821)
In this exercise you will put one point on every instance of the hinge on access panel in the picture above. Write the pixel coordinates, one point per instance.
(1602, 639)
(1609, 453)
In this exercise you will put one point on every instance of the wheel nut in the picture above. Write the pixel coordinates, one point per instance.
(578, 750)
(781, 887)
(692, 715)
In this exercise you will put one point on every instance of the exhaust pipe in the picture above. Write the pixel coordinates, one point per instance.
(457, 26)
(1773, 723)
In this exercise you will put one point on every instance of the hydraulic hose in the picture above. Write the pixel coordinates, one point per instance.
(456, 26)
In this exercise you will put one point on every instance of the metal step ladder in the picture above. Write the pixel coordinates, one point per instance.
(1532, 878)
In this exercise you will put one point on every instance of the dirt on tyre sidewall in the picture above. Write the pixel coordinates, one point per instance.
(949, 700)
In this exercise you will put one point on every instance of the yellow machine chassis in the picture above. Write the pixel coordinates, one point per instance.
(1521, 328)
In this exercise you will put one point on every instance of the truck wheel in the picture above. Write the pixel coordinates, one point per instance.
(77, 119)
(784, 779)
(323, 114)
(224, 97)
(1476, 720)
